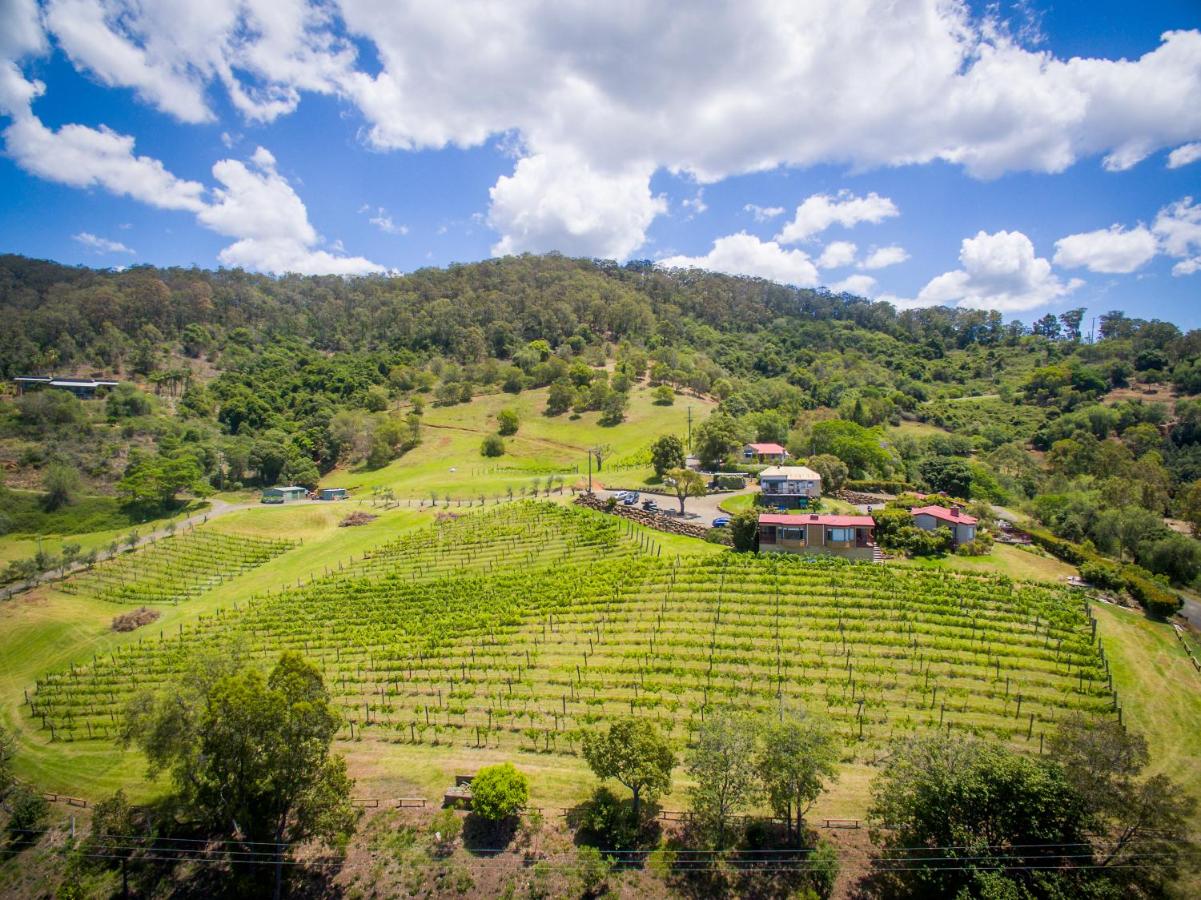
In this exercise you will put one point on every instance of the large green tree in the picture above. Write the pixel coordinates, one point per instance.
(249, 755)
(635, 753)
(667, 453)
(722, 766)
(799, 754)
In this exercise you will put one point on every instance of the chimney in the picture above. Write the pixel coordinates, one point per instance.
(813, 517)
(954, 510)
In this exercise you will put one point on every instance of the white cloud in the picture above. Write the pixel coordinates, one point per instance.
(1185, 154)
(1178, 226)
(764, 213)
(1111, 250)
(256, 205)
(89, 157)
(557, 202)
(821, 211)
(695, 204)
(836, 255)
(745, 254)
(859, 285)
(883, 257)
(99, 244)
(384, 223)
(1000, 271)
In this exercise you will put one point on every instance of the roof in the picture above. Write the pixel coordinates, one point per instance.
(946, 515)
(768, 449)
(287, 487)
(800, 473)
(816, 519)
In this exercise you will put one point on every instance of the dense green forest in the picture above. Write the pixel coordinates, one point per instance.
(1092, 425)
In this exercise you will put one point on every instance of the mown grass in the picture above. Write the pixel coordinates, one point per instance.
(448, 460)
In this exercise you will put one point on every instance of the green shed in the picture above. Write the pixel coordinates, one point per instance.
(288, 494)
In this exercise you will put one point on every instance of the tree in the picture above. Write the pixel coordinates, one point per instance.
(1144, 821)
(493, 445)
(112, 823)
(799, 754)
(744, 529)
(948, 474)
(507, 421)
(834, 471)
(1188, 506)
(1071, 323)
(722, 763)
(982, 812)
(715, 439)
(600, 453)
(667, 453)
(61, 484)
(636, 754)
(249, 755)
(685, 483)
(613, 408)
(302, 471)
(559, 398)
(860, 448)
(498, 792)
(664, 395)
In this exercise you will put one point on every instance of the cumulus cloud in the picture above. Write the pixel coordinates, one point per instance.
(256, 205)
(821, 211)
(384, 223)
(1183, 155)
(764, 213)
(745, 254)
(614, 94)
(97, 157)
(883, 257)
(99, 244)
(695, 204)
(859, 285)
(999, 271)
(836, 255)
(1111, 250)
(558, 202)
(1178, 226)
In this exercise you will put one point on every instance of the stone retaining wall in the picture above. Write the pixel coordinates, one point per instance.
(657, 521)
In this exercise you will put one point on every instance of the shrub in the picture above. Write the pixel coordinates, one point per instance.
(664, 395)
(879, 487)
(981, 546)
(823, 869)
(26, 811)
(445, 828)
(744, 529)
(730, 482)
(609, 821)
(498, 792)
(592, 870)
(493, 445)
(507, 421)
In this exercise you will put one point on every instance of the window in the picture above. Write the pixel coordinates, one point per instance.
(840, 534)
(792, 534)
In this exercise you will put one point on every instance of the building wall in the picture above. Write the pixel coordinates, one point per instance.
(963, 533)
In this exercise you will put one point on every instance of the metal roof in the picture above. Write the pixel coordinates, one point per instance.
(817, 519)
(946, 515)
(799, 473)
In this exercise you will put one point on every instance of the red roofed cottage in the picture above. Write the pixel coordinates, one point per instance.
(851, 537)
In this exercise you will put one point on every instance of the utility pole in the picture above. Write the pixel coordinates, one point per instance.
(589, 471)
(690, 429)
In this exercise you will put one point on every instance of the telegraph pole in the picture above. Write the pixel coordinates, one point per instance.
(589, 471)
(690, 429)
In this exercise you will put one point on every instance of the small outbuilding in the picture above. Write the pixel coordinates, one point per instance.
(765, 453)
(84, 388)
(963, 526)
(284, 494)
(333, 494)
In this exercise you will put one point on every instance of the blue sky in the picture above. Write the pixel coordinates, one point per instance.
(1024, 157)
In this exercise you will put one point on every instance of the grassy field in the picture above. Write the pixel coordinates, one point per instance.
(448, 460)
(1005, 559)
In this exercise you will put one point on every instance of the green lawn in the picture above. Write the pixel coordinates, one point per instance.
(448, 460)
(1017, 563)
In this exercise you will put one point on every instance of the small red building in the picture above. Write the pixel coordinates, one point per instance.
(963, 526)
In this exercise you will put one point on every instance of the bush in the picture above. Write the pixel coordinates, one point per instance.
(507, 421)
(608, 820)
(1103, 575)
(445, 828)
(981, 546)
(26, 812)
(498, 792)
(493, 445)
(744, 529)
(823, 869)
(730, 482)
(879, 487)
(592, 870)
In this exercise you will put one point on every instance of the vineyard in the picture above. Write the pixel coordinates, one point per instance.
(523, 627)
(175, 568)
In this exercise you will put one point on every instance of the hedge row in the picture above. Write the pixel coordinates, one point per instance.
(880, 487)
(1098, 570)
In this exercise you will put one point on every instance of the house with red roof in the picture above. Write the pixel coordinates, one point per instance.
(963, 526)
(851, 537)
(765, 453)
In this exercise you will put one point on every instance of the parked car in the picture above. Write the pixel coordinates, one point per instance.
(650, 505)
(629, 498)
(721, 521)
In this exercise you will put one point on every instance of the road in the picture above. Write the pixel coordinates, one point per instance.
(701, 510)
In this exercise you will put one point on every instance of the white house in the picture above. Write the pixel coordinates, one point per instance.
(790, 487)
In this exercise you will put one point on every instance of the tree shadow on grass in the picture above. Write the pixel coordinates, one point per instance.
(484, 837)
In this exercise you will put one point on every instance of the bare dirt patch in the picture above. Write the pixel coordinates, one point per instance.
(357, 518)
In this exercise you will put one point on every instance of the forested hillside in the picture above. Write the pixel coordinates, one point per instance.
(1091, 424)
